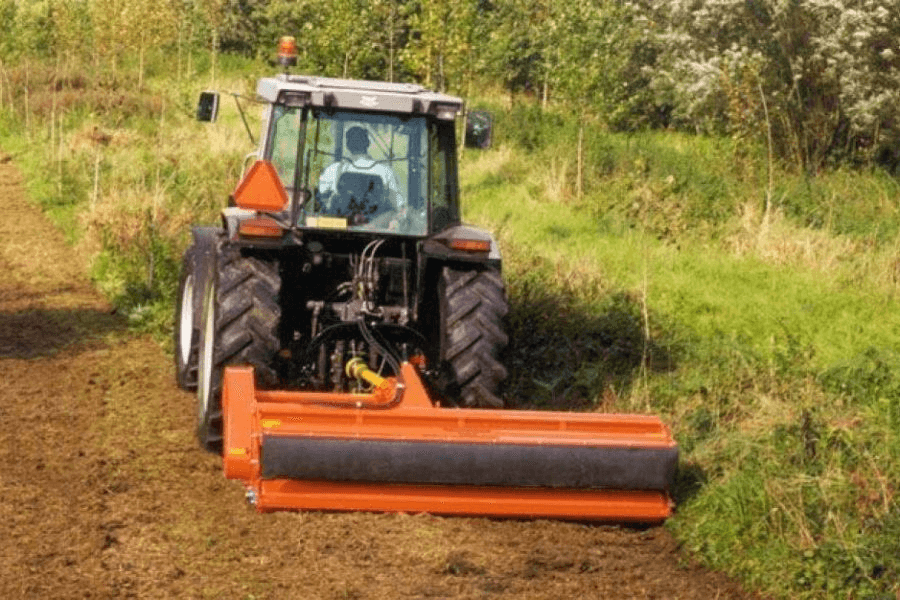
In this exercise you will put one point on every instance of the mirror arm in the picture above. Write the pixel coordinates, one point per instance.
(243, 116)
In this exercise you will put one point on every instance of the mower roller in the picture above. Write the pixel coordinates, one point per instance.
(344, 329)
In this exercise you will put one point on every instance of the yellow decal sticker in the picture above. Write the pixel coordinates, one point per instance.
(327, 222)
(270, 423)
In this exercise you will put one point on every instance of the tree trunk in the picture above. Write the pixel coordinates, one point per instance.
(141, 64)
(391, 45)
(579, 176)
(95, 194)
(215, 52)
(27, 101)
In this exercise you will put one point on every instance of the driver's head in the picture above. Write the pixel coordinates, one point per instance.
(357, 140)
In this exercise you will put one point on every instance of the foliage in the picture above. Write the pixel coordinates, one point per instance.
(825, 71)
(819, 78)
(441, 45)
(516, 43)
(113, 33)
(593, 42)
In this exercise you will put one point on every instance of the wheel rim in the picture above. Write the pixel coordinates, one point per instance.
(186, 326)
(206, 352)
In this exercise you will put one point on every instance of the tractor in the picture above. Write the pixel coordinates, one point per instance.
(343, 329)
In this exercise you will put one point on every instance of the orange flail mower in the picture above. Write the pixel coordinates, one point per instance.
(395, 450)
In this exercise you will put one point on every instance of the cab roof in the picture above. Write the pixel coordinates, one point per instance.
(377, 96)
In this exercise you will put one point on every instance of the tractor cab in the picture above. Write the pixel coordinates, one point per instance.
(358, 155)
(371, 171)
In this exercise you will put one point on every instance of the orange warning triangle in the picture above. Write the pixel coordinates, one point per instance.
(261, 189)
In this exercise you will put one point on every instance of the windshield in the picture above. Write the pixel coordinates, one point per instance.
(363, 170)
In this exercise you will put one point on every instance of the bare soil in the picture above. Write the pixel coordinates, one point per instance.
(106, 494)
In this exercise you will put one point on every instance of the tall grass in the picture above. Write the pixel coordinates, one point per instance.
(124, 172)
(760, 321)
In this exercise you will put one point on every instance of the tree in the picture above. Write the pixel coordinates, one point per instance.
(593, 42)
(73, 29)
(213, 15)
(593, 45)
(517, 43)
(241, 27)
(119, 26)
(440, 50)
(30, 27)
(341, 38)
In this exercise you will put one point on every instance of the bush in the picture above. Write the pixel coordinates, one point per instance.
(823, 75)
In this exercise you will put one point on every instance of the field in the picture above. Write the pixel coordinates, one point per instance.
(754, 308)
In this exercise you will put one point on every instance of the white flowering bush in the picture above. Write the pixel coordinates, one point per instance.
(828, 71)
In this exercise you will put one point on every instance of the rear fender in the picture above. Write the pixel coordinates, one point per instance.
(437, 251)
(204, 238)
(205, 243)
(232, 217)
(203, 246)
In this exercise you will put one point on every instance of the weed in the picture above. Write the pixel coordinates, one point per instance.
(568, 350)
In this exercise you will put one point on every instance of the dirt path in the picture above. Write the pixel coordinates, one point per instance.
(105, 493)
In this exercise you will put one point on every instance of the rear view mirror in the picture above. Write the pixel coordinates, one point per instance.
(208, 107)
(479, 124)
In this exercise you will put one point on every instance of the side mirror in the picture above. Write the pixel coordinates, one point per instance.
(208, 107)
(479, 129)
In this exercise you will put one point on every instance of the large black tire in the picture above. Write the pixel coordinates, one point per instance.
(239, 325)
(187, 322)
(473, 304)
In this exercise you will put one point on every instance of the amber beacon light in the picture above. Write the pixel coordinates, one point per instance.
(287, 51)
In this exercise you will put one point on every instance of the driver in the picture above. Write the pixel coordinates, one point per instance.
(361, 162)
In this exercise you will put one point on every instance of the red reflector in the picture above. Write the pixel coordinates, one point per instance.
(471, 245)
(260, 227)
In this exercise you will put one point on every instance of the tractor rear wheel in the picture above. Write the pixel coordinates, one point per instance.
(239, 325)
(472, 306)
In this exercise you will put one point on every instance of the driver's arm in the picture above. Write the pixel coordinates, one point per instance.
(398, 202)
(327, 185)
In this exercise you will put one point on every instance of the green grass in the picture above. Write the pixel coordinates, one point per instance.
(760, 322)
(708, 292)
